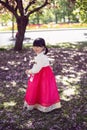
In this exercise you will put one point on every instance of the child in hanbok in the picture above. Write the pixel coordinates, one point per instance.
(42, 91)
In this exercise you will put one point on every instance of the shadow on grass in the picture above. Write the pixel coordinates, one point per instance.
(70, 67)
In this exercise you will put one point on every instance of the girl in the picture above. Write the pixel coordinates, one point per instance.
(41, 92)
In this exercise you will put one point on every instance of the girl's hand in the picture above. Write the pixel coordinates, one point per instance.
(27, 72)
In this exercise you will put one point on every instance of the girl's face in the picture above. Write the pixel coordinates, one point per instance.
(38, 50)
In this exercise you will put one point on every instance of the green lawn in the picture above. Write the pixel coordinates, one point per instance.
(69, 64)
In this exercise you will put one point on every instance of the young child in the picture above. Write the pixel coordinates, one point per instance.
(41, 92)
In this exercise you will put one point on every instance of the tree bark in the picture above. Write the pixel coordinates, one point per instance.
(22, 22)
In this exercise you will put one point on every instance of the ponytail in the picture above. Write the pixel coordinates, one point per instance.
(46, 50)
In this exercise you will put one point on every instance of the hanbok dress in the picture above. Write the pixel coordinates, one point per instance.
(42, 91)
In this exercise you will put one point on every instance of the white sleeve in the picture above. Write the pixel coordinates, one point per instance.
(39, 63)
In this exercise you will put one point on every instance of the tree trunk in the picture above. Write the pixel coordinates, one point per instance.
(56, 18)
(22, 22)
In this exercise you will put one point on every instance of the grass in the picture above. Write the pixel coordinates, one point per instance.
(69, 63)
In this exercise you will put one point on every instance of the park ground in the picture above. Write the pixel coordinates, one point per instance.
(69, 63)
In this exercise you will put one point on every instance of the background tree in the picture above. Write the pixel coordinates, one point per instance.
(4, 18)
(57, 11)
(66, 8)
(22, 9)
(81, 10)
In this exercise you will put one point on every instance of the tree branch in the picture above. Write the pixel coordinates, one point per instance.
(20, 7)
(10, 8)
(29, 4)
(38, 8)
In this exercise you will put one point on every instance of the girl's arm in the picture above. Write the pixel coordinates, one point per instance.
(40, 62)
(28, 72)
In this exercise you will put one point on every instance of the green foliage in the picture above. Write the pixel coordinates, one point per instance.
(5, 17)
(57, 11)
(81, 10)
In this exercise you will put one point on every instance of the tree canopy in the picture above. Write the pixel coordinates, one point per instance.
(81, 10)
(22, 9)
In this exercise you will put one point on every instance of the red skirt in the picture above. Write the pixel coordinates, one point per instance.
(42, 91)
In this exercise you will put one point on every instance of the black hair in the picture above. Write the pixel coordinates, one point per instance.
(40, 42)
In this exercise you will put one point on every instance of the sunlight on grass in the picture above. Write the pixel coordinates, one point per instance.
(67, 81)
(9, 104)
(14, 63)
(4, 68)
(21, 90)
(1, 95)
(13, 83)
(7, 85)
(68, 93)
(69, 89)
(29, 124)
